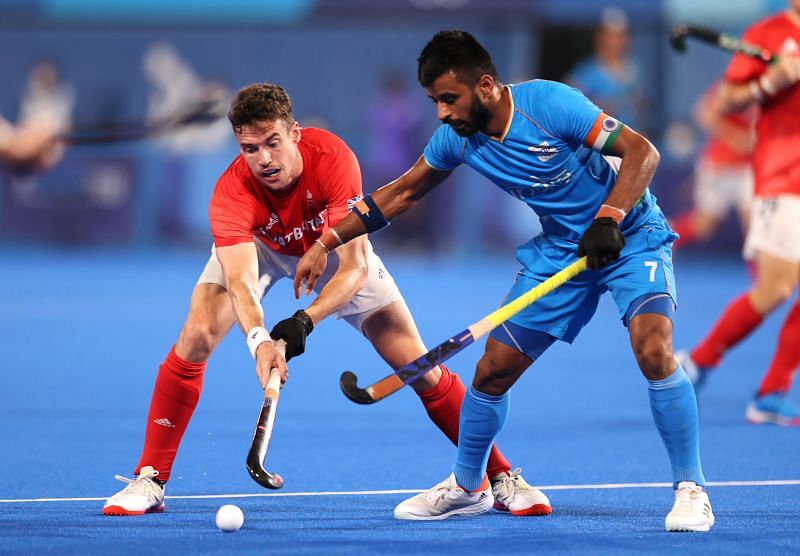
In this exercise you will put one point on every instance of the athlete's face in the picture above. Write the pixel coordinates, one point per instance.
(270, 150)
(458, 105)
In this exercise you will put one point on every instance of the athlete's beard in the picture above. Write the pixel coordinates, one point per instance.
(479, 117)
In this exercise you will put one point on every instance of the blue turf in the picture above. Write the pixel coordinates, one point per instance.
(83, 332)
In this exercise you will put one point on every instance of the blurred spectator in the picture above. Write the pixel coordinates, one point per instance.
(47, 101)
(174, 86)
(723, 177)
(394, 126)
(610, 77)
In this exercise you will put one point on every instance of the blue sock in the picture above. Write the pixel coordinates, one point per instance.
(674, 408)
(482, 417)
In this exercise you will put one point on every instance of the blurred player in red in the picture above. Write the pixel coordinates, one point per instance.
(287, 187)
(773, 240)
(723, 178)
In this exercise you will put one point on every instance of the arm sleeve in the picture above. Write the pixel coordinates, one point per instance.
(342, 182)
(232, 213)
(743, 68)
(445, 149)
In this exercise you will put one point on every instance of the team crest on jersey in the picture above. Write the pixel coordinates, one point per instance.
(352, 202)
(543, 151)
(312, 206)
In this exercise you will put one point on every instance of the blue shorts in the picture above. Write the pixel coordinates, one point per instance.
(643, 272)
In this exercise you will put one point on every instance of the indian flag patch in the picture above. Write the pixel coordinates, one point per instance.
(603, 133)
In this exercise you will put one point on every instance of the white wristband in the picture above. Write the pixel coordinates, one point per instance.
(767, 86)
(257, 336)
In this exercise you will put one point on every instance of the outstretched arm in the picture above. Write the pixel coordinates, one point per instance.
(778, 77)
(240, 267)
(348, 279)
(391, 200)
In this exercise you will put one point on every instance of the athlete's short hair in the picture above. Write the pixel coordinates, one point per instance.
(260, 102)
(457, 51)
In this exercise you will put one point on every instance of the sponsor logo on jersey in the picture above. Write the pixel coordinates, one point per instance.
(295, 233)
(543, 151)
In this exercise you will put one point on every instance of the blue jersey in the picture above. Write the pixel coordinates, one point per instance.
(549, 157)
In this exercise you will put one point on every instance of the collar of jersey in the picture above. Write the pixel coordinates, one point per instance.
(508, 123)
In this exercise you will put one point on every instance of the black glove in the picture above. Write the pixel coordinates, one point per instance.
(601, 242)
(293, 331)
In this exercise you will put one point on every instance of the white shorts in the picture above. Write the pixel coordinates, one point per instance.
(775, 228)
(718, 189)
(379, 290)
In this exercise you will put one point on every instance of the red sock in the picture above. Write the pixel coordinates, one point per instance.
(787, 356)
(443, 404)
(738, 320)
(684, 226)
(175, 396)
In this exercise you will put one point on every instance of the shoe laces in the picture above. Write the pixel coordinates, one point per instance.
(511, 482)
(689, 497)
(143, 484)
(440, 491)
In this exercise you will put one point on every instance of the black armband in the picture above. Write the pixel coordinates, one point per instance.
(369, 213)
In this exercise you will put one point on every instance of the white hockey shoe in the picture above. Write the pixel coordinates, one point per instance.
(142, 495)
(691, 511)
(513, 494)
(445, 500)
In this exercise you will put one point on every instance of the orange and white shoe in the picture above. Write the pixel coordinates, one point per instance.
(691, 511)
(513, 494)
(446, 499)
(142, 495)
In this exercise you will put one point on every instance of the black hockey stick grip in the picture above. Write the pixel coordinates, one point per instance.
(263, 431)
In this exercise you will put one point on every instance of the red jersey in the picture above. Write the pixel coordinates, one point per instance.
(776, 157)
(329, 186)
(716, 151)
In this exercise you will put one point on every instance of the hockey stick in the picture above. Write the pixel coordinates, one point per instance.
(721, 40)
(444, 351)
(263, 432)
(203, 112)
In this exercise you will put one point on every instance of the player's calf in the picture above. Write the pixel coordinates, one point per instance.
(143, 495)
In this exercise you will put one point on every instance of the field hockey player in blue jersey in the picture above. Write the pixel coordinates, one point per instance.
(586, 175)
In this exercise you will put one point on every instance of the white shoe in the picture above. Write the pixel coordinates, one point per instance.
(691, 511)
(513, 494)
(445, 500)
(142, 495)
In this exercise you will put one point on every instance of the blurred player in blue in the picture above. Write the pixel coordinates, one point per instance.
(586, 175)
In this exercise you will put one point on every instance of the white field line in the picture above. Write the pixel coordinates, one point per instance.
(412, 491)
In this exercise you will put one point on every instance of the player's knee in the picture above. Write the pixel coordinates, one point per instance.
(197, 341)
(491, 377)
(654, 357)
